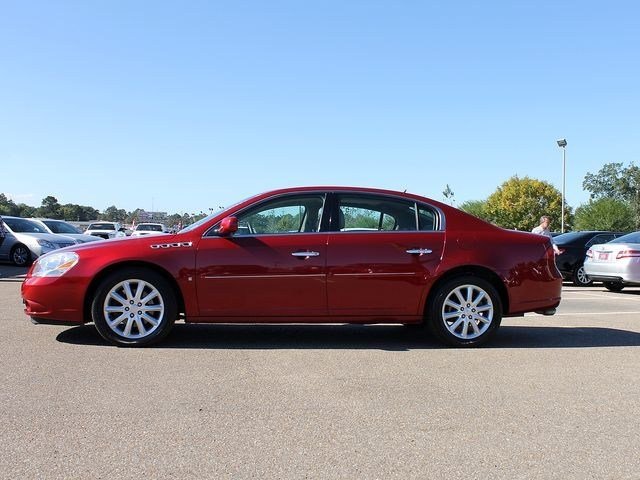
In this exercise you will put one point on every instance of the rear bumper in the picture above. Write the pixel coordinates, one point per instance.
(613, 278)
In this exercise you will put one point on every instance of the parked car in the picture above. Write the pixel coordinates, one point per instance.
(143, 229)
(305, 255)
(617, 263)
(106, 230)
(573, 248)
(25, 240)
(64, 228)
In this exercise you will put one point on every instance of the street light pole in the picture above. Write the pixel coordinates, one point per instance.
(562, 143)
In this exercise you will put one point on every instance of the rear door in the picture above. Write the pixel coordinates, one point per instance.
(382, 253)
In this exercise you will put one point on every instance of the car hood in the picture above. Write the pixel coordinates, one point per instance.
(119, 242)
(49, 237)
(83, 237)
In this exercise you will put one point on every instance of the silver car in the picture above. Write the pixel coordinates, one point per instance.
(25, 240)
(63, 228)
(616, 263)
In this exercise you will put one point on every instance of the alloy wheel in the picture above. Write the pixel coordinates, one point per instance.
(467, 312)
(133, 309)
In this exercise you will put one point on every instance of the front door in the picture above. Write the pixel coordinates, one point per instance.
(273, 267)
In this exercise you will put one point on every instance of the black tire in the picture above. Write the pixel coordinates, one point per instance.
(613, 286)
(139, 323)
(21, 256)
(485, 311)
(580, 278)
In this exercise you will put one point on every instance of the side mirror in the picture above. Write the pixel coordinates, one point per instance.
(228, 226)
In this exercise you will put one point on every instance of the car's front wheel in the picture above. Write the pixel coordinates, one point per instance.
(134, 307)
(465, 311)
(580, 278)
(613, 286)
(21, 256)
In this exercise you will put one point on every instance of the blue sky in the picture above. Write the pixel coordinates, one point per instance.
(191, 105)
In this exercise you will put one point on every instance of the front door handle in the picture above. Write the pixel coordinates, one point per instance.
(305, 255)
(419, 251)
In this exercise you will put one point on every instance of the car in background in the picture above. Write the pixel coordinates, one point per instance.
(573, 247)
(143, 229)
(25, 240)
(106, 230)
(306, 255)
(64, 228)
(617, 263)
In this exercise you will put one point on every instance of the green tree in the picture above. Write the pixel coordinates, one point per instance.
(7, 207)
(114, 214)
(615, 181)
(26, 211)
(605, 214)
(50, 208)
(520, 202)
(477, 208)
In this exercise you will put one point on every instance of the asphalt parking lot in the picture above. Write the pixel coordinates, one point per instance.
(551, 397)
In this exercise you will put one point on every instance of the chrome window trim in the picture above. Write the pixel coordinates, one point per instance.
(440, 216)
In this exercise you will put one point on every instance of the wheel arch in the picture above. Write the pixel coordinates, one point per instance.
(100, 276)
(474, 270)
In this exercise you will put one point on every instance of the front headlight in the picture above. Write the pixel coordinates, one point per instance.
(55, 264)
(46, 244)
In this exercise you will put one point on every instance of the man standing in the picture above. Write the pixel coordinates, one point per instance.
(543, 229)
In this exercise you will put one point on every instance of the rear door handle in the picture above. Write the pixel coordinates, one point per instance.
(306, 254)
(419, 251)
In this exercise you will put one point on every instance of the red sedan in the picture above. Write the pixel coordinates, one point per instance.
(313, 254)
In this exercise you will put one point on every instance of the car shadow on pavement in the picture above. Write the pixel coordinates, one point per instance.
(11, 273)
(366, 337)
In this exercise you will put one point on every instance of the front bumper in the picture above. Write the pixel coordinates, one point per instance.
(56, 300)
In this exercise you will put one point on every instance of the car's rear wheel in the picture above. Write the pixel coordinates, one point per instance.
(134, 307)
(613, 286)
(21, 256)
(465, 311)
(580, 278)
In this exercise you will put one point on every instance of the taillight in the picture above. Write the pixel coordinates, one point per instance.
(589, 253)
(628, 254)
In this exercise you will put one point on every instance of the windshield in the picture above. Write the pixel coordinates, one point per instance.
(101, 226)
(204, 220)
(22, 225)
(628, 238)
(60, 227)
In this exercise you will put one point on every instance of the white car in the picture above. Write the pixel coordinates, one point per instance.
(143, 229)
(106, 230)
(63, 228)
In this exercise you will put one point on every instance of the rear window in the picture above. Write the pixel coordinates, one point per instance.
(628, 238)
(149, 227)
(570, 237)
(102, 226)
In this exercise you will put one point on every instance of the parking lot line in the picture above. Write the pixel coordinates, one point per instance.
(604, 296)
(578, 314)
